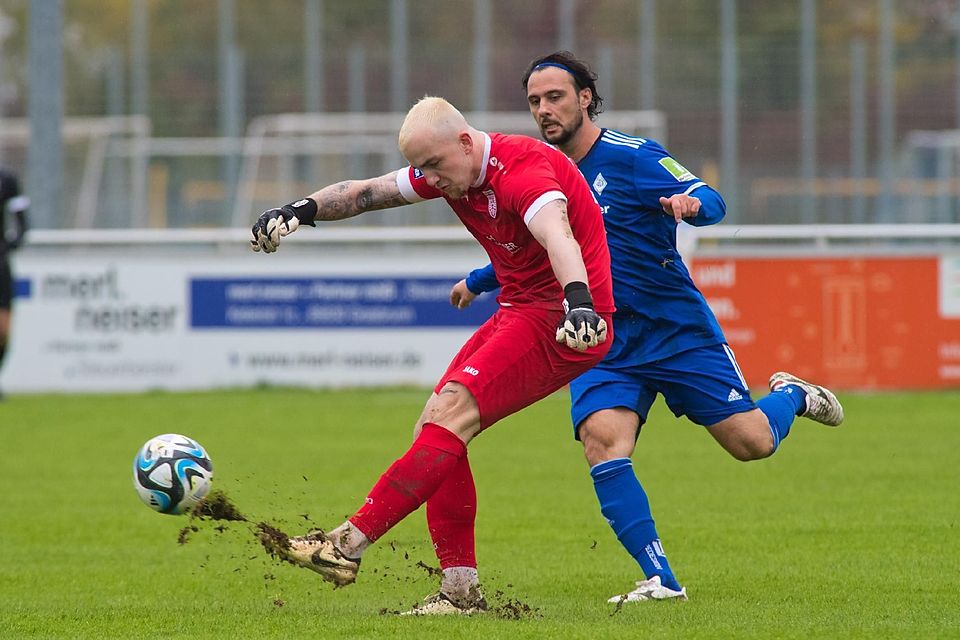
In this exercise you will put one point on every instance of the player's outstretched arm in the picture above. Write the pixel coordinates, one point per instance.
(335, 202)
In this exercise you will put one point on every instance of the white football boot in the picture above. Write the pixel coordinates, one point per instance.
(650, 589)
(312, 551)
(440, 604)
(822, 405)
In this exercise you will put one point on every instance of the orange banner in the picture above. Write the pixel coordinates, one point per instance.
(854, 323)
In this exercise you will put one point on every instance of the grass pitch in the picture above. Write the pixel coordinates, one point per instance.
(853, 532)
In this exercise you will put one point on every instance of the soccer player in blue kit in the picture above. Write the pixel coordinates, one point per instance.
(666, 338)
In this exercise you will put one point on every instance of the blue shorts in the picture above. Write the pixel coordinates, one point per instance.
(703, 383)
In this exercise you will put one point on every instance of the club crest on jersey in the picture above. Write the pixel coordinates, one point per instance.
(491, 202)
(599, 183)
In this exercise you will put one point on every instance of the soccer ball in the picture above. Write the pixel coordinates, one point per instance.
(172, 473)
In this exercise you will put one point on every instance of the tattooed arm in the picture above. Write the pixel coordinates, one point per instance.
(353, 197)
(336, 202)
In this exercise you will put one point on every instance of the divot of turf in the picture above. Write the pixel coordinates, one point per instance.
(273, 539)
(216, 506)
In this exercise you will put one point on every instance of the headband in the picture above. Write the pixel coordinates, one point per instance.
(557, 65)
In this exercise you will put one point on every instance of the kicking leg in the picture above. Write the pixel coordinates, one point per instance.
(719, 398)
(406, 485)
(756, 434)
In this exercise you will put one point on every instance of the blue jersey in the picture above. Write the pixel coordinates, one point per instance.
(651, 284)
(650, 281)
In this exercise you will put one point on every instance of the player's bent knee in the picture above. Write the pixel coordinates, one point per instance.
(752, 447)
(453, 408)
(745, 436)
(596, 452)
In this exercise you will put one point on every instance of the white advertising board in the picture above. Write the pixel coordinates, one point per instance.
(127, 322)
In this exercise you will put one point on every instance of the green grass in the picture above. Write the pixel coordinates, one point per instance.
(852, 532)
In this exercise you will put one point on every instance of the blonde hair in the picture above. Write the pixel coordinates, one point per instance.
(434, 114)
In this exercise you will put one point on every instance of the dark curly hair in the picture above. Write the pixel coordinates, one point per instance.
(583, 76)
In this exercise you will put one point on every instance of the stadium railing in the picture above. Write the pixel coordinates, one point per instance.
(721, 237)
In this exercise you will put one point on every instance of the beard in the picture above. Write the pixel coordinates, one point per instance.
(563, 136)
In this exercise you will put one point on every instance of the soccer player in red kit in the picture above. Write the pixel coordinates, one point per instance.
(530, 208)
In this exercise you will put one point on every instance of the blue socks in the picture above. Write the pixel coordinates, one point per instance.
(781, 407)
(624, 504)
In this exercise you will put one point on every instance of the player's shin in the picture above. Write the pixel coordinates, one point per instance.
(624, 504)
(410, 481)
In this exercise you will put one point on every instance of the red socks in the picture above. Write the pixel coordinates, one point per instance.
(411, 480)
(451, 514)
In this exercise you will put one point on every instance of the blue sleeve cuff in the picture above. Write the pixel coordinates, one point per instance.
(712, 207)
(482, 280)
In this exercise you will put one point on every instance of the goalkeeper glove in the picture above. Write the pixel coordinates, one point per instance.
(274, 224)
(581, 327)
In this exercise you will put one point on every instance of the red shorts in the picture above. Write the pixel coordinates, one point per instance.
(513, 360)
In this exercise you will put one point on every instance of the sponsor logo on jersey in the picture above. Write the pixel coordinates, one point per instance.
(734, 396)
(599, 183)
(491, 202)
(471, 371)
(509, 246)
(417, 174)
(495, 162)
(677, 170)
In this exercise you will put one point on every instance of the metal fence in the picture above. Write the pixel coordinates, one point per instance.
(807, 111)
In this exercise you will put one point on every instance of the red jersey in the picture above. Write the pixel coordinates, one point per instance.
(519, 176)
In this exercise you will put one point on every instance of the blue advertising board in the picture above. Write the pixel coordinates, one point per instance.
(21, 288)
(318, 302)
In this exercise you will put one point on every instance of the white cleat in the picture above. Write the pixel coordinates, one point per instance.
(312, 551)
(822, 405)
(440, 604)
(650, 589)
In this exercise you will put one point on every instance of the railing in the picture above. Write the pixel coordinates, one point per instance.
(821, 237)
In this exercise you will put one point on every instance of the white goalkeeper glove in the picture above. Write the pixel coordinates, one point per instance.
(274, 224)
(581, 327)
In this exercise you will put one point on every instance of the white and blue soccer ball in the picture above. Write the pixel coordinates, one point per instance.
(172, 473)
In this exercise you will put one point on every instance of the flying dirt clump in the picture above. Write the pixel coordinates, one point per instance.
(216, 506)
